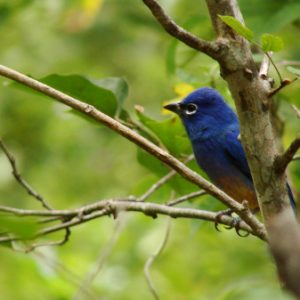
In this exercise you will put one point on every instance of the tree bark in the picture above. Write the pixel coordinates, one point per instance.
(251, 96)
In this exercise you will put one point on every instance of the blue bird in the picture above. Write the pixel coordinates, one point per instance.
(213, 129)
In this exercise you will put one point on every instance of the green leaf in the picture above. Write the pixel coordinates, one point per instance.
(238, 27)
(270, 42)
(293, 70)
(85, 90)
(170, 132)
(151, 163)
(117, 85)
(107, 95)
(4, 13)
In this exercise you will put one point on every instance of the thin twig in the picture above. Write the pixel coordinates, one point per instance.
(66, 213)
(161, 182)
(297, 110)
(50, 219)
(157, 185)
(153, 257)
(19, 178)
(269, 55)
(59, 227)
(282, 85)
(36, 195)
(61, 242)
(264, 72)
(289, 63)
(114, 207)
(186, 198)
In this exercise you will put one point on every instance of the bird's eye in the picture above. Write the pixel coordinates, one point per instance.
(191, 109)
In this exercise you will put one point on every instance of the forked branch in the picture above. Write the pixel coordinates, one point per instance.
(209, 48)
(281, 162)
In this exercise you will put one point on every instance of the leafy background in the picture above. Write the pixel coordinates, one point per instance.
(101, 51)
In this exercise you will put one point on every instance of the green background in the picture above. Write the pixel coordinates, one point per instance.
(72, 162)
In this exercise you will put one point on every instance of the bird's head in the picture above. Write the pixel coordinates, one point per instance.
(204, 113)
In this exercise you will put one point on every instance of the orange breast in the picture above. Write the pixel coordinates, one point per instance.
(238, 190)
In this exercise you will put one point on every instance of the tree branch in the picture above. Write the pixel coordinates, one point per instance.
(61, 242)
(114, 207)
(157, 185)
(186, 198)
(281, 161)
(19, 178)
(151, 148)
(209, 48)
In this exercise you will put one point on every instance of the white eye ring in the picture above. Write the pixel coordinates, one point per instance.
(191, 109)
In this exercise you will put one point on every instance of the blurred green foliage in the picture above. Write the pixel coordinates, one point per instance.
(72, 162)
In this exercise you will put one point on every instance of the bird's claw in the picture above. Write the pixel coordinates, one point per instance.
(227, 212)
(235, 223)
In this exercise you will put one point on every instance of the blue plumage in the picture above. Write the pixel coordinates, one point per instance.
(213, 129)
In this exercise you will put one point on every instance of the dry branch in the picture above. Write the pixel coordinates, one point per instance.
(115, 207)
(20, 179)
(60, 242)
(151, 148)
(209, 48)
(281, 162)
(186, 198)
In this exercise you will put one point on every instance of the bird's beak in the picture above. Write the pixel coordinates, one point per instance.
(174, 107)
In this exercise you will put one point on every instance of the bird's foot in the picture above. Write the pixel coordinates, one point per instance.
(227, 212)
(235, 223)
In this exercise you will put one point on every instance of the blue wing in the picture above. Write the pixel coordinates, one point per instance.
(236, 154)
